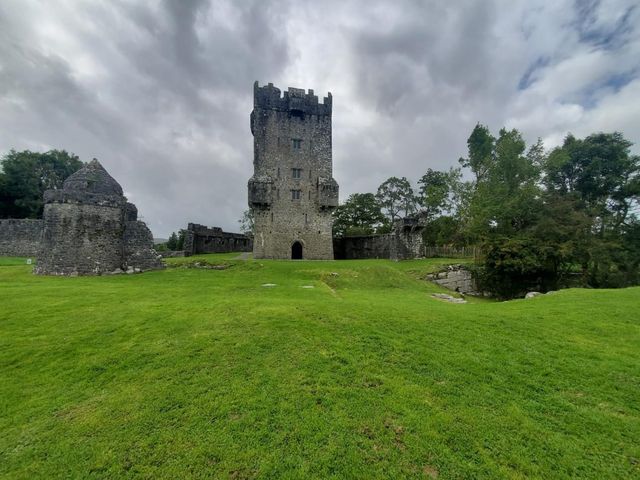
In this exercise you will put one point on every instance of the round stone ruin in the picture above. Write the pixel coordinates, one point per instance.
(89, 228)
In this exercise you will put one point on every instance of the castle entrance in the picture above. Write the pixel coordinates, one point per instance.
(296, 251)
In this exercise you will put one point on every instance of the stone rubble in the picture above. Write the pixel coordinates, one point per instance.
(448, 298)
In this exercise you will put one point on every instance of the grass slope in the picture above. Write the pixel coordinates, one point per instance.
(204, 373)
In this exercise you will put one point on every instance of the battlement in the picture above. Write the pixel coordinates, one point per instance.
(294, 100)
(203, 229)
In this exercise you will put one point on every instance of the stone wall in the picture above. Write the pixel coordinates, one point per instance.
(404, 243)
(20, 237)
(362, 247)
(407, 240)
(81, 239)
(292, 191)
(202, 239)
(137, 254)
(457, 278)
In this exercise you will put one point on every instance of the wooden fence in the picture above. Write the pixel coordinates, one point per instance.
(452, 252)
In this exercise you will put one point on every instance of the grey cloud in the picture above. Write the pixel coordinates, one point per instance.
(161, 92)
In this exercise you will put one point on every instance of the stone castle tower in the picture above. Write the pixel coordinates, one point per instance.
(292, 191)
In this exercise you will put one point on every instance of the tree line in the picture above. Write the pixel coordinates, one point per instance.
(545, 219)
(24, 177)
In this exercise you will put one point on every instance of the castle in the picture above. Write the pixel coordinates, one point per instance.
(292, 191)
(89, 228)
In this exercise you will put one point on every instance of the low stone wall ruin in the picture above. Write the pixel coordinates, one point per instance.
(456, 278)
(403, 243)
(362, 247)
(202, 239)
(20, 237)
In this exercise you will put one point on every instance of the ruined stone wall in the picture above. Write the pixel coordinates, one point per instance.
(137, 254)
(407, 242)
(20, 237)
(202, 239)
(457, 278)
(89, 228)
(361, 247)
(292, 190)
(81, 239)
(404, 243)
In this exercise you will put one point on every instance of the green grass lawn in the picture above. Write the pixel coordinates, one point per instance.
(205, 373)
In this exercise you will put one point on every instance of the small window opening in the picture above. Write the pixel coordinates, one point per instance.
(296, 143)
(295, 194)
(296, 173)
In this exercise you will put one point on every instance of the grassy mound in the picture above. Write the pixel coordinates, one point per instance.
(197, 372)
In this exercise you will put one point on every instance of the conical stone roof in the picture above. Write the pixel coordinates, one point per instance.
(93, 178)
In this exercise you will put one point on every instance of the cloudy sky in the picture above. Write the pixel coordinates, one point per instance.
(161, 91)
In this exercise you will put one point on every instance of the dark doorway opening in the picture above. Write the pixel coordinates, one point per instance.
(296, 251)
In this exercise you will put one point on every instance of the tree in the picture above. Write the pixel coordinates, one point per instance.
(396, 197)
(505, 208)
(359, 215)
(601, 173)
(176, 241)
(481, 149)
(437, 192)
(172, 243)
(601, 180)
(181, 235)
(508, 199)
(26, 175)
(247, 224)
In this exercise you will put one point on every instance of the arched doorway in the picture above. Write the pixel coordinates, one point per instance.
(296, 251)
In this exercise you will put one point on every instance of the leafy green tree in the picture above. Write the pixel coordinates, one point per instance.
(26, 175)
(437, 192)
(508, 200)
(506, 205)
(481, 150)
(444, 230)
(396, 197)
(599, 171)
(359, 215)
(601, 179)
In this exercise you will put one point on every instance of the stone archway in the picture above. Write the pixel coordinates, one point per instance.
(296, 251)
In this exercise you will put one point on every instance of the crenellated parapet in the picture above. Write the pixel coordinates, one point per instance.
(295, 100)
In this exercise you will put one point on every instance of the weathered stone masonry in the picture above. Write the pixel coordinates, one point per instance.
(292, 191)
(403, 243)
(20, 237)
(201, 239)
(89, 228)
(458, 278)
